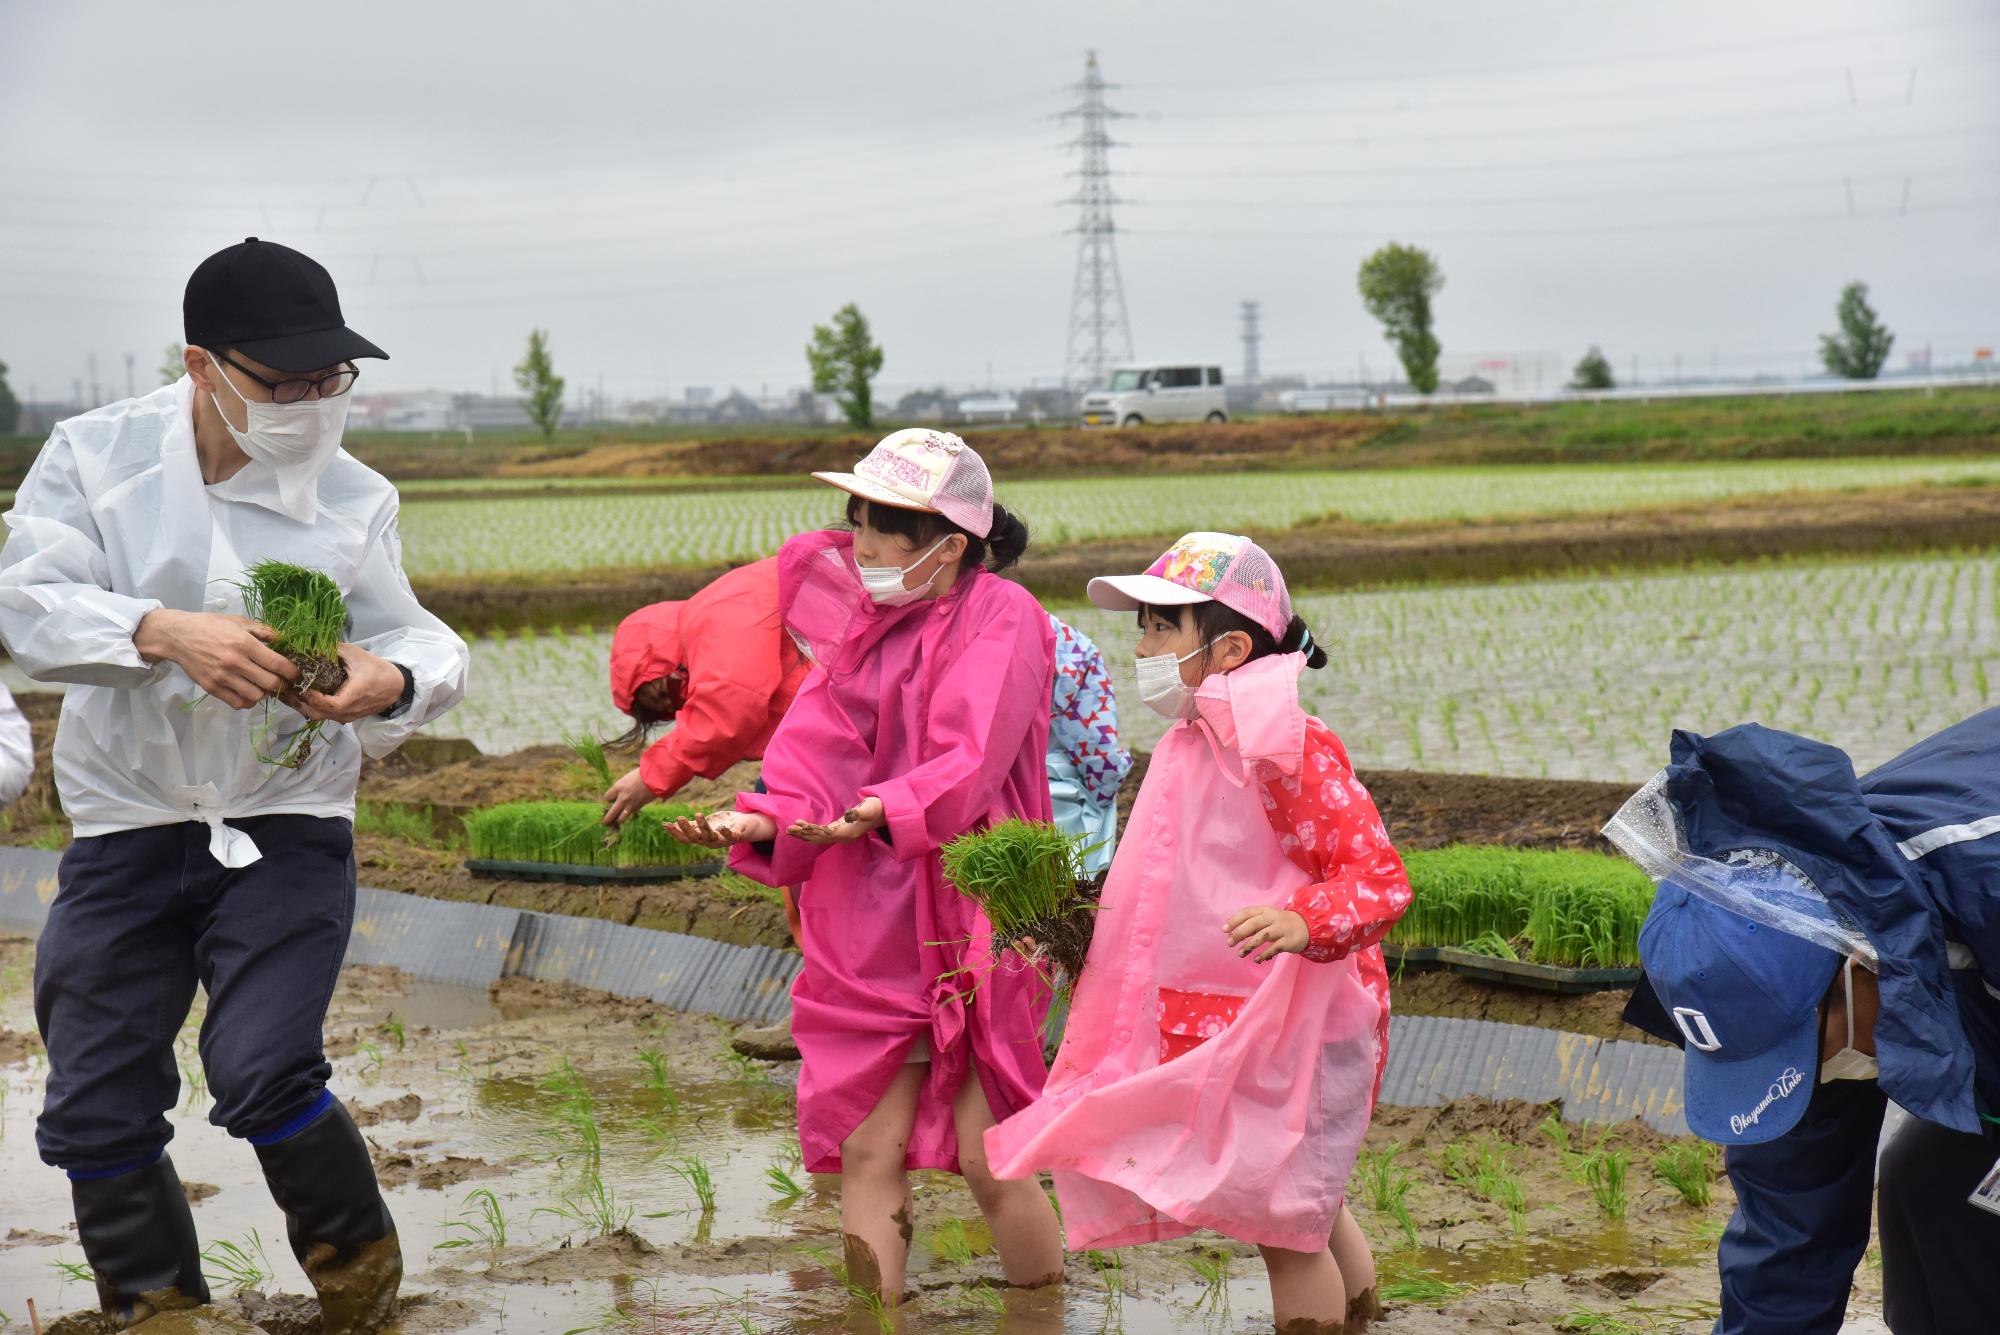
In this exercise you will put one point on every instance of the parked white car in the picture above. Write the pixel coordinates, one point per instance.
(1165, 392)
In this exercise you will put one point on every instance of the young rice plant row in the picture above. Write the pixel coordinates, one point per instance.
(1574, 679)
(579, 530)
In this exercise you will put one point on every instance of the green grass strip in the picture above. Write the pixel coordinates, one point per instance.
(572, 833)
(1581, 910)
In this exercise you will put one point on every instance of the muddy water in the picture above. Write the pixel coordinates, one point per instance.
(597, 1158)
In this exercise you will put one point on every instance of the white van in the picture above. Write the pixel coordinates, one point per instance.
(1169, 392)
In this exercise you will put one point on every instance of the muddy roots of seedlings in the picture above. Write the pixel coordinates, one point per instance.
(1065, 937)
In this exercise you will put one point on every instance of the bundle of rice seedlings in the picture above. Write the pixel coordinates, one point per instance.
(573, 833)
(309, 614)
(1028, 876)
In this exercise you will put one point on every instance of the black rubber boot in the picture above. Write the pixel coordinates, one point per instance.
(338, 1223)
(138, 1235)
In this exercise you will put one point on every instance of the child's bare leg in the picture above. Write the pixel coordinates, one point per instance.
(1357, 1270)
(1025, 1231)
(875, 1191)
(1307, 1296)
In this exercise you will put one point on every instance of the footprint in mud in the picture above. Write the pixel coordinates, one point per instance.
(17, 1046)
(399, 1168)
(404, 1109)
(31, 1237)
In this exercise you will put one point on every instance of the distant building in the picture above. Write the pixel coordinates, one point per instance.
(487, 412)
(1473, 384)
(988, 408)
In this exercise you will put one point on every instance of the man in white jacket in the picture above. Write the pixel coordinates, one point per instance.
(194, 860)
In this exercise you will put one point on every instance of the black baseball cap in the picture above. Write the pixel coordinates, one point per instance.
(271, 304)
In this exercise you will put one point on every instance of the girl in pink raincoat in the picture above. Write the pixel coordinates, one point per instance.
(927, 715)
(1227, 1036)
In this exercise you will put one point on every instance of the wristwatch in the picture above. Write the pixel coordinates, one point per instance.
(409, 693)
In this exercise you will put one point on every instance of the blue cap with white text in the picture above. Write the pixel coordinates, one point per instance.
(1746, 1000)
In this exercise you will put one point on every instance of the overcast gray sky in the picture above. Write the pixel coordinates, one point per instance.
(678, 191)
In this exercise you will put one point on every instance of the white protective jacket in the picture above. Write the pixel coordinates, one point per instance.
(114, 521)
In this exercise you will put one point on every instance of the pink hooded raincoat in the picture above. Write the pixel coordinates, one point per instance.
(941, 709)
(1252, 1133)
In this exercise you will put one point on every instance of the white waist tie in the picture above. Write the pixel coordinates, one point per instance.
(226, 844)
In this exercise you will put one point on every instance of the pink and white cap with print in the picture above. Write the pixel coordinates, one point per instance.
(1205, 567)
(920, 469)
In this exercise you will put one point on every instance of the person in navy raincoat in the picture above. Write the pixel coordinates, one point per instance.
(1908, 861)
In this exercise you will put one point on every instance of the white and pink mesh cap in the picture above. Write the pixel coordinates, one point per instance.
(1205, 567)
(920, 469)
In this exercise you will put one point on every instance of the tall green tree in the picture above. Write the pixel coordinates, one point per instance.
(845, 360)
(541, 387)
(173, 363)
(1592, 372)
(1862, 344)
(10, 407)
(1397, 284)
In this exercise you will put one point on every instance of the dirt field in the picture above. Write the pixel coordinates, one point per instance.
(463, 1092)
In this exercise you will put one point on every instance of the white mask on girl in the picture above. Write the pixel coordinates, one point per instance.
(296, 441)
(885, 583)
(1850, 1063)
(1160, 684)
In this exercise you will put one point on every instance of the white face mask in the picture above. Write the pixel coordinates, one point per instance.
(885, 583)
(296, 441)
(1849, 1063)
(1160, 684)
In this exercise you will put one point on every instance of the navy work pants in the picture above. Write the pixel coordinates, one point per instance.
(140, 917)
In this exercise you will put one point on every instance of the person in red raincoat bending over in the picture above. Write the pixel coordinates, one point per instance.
(721, 668)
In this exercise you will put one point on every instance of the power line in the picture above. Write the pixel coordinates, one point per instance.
(1568, 127)
(1576, 197)
(1791, 40)
(1984, 131)
(1624, 93)
(1684, 225)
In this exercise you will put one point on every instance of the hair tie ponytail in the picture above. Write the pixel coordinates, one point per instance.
(1305, 641)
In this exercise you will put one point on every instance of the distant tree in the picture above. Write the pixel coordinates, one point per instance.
(1862, 344)
(173, 365)
(844, 360)
(1397, 284)
(10, 407)
(1593, 372)
(536, 378)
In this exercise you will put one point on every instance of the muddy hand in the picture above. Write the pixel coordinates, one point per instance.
(864, 816)
(623, 799)
(708, 830)
(373, 684)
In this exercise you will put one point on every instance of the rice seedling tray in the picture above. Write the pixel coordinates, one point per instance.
(571, 873)
(1543, 977)
(1399, 956)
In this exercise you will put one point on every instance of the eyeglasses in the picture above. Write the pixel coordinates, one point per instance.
(294, 388)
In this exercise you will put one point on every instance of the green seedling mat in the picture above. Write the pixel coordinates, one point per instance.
(1542, 977)
(570, 873)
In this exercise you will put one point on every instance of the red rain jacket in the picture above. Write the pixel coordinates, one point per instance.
(742, 672)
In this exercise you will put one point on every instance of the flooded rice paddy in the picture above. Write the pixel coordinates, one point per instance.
(560, 1161)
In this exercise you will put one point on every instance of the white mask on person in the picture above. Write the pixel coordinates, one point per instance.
(296, 441)
(1160, 684)
(884, 584)
(1850, 1063)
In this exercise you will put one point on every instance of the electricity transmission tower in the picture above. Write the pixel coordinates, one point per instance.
(1100, 332)
(1250, 337)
